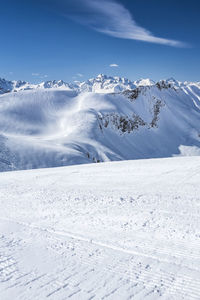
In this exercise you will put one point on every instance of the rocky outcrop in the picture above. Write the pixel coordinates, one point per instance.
(121, 123)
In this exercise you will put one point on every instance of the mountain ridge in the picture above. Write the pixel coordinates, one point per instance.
(58, 126)
(100, 84)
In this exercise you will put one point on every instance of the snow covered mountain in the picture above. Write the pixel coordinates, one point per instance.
(12, 86)
(106, 84)
(100, 84)
(56, 124)
(16, 86)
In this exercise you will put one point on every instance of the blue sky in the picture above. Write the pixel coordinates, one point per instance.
(76, 40)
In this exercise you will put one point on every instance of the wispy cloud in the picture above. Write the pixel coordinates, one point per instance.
(39, 75)
(112, 18)
(78, 76)
(114, 65)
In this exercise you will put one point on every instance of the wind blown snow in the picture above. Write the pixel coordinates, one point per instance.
(103, 119)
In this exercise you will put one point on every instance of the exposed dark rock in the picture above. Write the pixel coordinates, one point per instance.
(163, 85)
(128, 124)
(125, 124)
(133, 94)
(157, 108)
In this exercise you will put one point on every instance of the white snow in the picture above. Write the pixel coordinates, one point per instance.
(100, 84)
(56, 126)
(144, 82)
(119, 230)
(116, 230)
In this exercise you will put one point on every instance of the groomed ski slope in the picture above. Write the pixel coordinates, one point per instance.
(116, 230)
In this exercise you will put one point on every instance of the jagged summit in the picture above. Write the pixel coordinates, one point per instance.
(144, 82)
(100, 84)
(106, 84)
(7, 86)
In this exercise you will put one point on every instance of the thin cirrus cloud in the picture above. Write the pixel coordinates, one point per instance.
(113, 19)
(39, 75)
(79, 75)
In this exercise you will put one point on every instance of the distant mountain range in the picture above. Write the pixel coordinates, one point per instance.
(103, 119)
(100, 84)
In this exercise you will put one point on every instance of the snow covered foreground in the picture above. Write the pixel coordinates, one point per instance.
(119, 230)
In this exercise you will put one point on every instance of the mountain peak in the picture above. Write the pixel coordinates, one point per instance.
(100, 84)
(101, 76)
(144, 82)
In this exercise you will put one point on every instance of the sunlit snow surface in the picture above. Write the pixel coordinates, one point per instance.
(52, 127)
(116, 230)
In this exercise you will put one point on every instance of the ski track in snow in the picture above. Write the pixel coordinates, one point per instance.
(120, 230)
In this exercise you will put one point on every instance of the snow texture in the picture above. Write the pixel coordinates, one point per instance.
(103, 119)
(116, 230)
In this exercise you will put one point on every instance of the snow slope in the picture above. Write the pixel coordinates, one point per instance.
(120, 230)
(56, 127)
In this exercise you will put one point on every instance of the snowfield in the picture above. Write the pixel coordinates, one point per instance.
(55, 126)
(116, 230)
